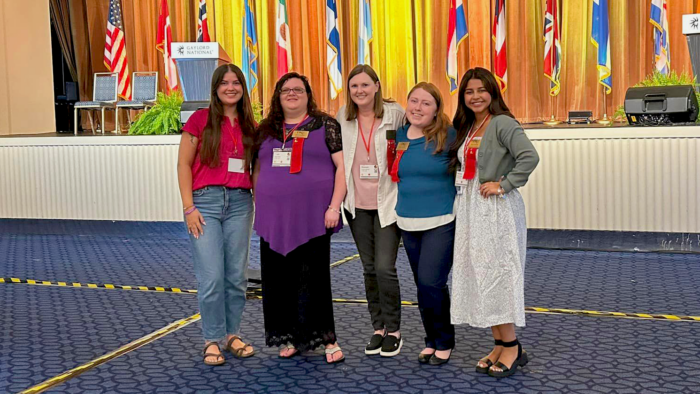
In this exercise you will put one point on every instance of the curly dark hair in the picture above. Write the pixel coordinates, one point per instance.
(273, 124)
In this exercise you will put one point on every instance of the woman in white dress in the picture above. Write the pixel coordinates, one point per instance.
(492, 157)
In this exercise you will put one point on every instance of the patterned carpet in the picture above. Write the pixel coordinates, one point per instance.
(47, 330)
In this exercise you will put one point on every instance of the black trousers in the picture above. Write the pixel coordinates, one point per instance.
(297, 303)
(378, 248)
(430, 253)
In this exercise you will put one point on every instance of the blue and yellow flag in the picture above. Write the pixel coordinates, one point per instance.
(250, 49)
(600, 36)
(659, 19)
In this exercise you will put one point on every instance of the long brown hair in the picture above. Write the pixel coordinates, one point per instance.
(211, 137)
(273, 124)
(351, 108)
(437, 130)
(465, 117)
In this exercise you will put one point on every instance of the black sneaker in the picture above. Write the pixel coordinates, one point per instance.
(391, 346)
(374, 346)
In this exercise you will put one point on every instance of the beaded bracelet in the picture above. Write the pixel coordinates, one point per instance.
(334, 210)
(189, 211)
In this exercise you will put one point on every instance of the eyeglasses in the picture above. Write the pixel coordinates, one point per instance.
(297, 91)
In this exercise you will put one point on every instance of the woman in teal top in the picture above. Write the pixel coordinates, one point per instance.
(426, 194)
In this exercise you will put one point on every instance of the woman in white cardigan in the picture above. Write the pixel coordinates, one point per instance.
(366, 122)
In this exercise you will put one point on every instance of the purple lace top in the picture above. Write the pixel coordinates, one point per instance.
(290, 208)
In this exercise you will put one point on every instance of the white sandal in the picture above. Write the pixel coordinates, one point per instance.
(333, 351)
(288, 345)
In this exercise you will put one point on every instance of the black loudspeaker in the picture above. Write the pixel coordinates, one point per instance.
(661, 105)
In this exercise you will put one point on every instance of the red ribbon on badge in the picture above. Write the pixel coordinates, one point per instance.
(469, 163)
(390, 152)
(394, 172)
(297, 154)
(470, 152)
(395, 166)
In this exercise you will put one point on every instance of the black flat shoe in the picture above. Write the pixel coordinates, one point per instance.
(424, 358)
(487, 361)
(374, 346)
(435, 360)
(521, 361)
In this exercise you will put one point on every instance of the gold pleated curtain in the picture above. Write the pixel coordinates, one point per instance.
(409, 46)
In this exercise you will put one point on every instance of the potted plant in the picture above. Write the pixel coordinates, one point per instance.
(164, 117)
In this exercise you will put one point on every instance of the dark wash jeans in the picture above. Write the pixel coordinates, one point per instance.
(430, 253)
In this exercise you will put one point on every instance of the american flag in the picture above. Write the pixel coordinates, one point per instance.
(500, 62)
(115, 49)
(202, 27)
(552, 46)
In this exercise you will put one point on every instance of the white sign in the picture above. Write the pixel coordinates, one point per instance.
(194, 50)
(691, 24)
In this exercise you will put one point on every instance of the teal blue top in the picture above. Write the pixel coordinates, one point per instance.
(426, 186)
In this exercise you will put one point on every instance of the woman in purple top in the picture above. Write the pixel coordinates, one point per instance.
(299, 184)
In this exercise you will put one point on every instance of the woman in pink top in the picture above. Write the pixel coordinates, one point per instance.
(213, 171)
(369, 123)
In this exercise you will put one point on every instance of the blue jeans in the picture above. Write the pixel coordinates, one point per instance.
(430, 254)
(221, 258)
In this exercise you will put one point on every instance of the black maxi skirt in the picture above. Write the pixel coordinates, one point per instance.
(297, 303)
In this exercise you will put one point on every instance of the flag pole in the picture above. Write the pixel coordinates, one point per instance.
(604, 120)
(552, 120)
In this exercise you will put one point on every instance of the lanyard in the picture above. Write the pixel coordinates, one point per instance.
(288, 134)
(466, 145)
(233, 137)
(368, 142)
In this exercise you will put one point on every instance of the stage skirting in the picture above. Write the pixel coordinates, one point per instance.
(614, 179)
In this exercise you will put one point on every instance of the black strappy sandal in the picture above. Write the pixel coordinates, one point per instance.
(521, 361)
(220, 357)
(240, 352)
(486, 360)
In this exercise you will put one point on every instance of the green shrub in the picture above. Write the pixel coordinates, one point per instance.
(163, 118)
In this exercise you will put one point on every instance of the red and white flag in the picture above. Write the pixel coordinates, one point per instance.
(500, 62)
(202, 26)
(284, 47)
(115, 50)
(164, 38)
(552, 46)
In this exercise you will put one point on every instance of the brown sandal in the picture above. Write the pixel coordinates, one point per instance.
(240, 352)
(218, 356)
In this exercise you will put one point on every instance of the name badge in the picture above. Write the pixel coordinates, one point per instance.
(459, 179)
(300, 134)
(236, 165)
(402, 146)
(281, 157)
(369, 172)
(475, 143)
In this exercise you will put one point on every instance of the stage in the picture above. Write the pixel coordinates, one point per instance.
(634, 179)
